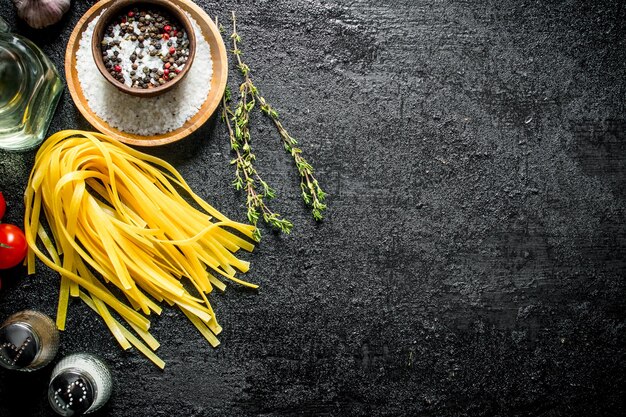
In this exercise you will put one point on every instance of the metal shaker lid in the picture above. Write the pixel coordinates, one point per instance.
(19, 346)
(71, 393)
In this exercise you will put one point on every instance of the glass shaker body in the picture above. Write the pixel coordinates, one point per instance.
(29, 340)
(30, 88)
(80, 384)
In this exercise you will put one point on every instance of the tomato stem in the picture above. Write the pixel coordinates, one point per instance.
(3, 245)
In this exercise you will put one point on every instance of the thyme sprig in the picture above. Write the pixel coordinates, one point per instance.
(312, 193)
(246, 175)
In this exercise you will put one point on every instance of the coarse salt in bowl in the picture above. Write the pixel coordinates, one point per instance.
(144, 81)
(151, 121)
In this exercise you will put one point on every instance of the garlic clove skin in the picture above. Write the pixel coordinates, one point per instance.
(41, 13)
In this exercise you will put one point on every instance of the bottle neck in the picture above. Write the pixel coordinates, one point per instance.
(4, 26)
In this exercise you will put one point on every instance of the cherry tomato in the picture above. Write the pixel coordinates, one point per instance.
(3, 206)
(13, 246)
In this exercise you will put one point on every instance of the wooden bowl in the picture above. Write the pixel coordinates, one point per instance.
(219, 78)
(112, 13)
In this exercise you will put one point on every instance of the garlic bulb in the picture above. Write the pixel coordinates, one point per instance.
(41, 13)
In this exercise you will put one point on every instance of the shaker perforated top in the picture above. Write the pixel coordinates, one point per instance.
(71, 393)
(19, 346)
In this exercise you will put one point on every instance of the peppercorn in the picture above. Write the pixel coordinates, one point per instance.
(152, 32)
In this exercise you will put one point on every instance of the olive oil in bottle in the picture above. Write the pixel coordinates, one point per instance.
(30, 88)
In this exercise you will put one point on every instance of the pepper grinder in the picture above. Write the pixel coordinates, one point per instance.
(29, 340)
(80, 384)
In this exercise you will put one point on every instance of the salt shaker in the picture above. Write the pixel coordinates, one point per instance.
(80, 384)
(29, 340)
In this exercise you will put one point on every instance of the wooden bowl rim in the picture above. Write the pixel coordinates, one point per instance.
(220, 73)
(112, 12)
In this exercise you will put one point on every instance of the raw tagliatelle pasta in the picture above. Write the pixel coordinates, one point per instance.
(117, 219)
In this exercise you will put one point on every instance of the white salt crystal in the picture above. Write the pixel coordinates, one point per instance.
(144, 116)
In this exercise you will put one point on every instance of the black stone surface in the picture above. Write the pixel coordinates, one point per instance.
(472, 262)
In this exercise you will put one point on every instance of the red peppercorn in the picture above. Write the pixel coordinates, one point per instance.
(117, 68)
(172, 50)
(177, 70)
(175, 33)
(166, 36)
(166, 72)
(167, 28)
(131, 13)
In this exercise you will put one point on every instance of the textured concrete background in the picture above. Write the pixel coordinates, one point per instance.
(472, 262)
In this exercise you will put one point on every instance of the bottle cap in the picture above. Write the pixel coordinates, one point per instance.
(19, 346)
(71, 393)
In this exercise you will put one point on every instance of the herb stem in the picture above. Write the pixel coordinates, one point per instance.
(312, 193)
(246, 176)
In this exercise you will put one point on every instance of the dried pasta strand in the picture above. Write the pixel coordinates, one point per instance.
(118, 219)
(203, 329)
(127, 334)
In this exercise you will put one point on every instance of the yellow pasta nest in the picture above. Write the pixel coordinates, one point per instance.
(117, 218)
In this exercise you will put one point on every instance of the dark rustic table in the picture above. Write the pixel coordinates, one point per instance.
(472, 261)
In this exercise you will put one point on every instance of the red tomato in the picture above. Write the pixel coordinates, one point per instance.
(13, 246)
(3, 205)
